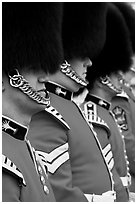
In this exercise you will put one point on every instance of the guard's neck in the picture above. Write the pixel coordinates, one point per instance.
(101, 94)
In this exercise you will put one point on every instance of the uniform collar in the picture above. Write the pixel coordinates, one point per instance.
(99, 101)
(58, 90)
(13, 128)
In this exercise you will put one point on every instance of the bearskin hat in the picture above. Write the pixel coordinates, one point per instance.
(116, 53)
(129, 16)
(83, 29)
(31, 35)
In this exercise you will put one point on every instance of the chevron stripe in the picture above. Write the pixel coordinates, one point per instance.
(111, 163)
(58, 162)
(50, 109)
(108, 156)
(55, 158)
(10, 166)
(53, 154)
(106, 149)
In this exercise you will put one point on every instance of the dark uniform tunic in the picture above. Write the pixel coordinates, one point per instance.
(23, 177)
(72, 153)
(123, 108)
(91, 111)
(102, 109)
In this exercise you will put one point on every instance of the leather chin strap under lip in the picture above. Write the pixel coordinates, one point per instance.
(18, 81)
(107, 81)
(66, 69)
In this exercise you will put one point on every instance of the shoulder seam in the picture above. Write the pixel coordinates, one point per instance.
(53, 111)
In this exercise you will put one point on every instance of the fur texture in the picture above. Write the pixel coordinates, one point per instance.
(116, 53)
(83, 29)
(32, 35)
(129, 16)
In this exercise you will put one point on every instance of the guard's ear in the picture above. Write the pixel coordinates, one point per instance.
(43, 78)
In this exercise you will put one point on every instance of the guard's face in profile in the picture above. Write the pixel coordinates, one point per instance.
(80, 66)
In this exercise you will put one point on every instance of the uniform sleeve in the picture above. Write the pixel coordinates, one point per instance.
(10, 188)
(50, 139)
(127, 116)
(130, 136)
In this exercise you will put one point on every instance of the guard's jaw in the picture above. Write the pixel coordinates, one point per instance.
(18, 81)
(66, 69)
(107, 81)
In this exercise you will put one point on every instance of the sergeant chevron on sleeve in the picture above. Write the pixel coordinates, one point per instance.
(78, 169)
(104, 84)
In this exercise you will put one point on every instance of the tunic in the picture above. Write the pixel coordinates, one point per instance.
(23, 176)
(73, 154)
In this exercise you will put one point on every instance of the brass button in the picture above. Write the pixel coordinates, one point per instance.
(42, 180)
(46, 190)
(39, 169)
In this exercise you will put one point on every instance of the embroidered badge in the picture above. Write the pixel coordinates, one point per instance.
(6, 126)
(120, 116)
(102, 103)
(90, 109)
(59, 91)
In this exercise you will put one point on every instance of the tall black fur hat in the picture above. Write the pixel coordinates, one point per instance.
(83, 28)
(117, 52)
(31, 35)
(129, 15)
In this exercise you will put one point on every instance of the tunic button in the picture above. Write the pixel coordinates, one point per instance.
(42, 180)
(40, 169)
(126, 157)
(46, 190)
(127, 162)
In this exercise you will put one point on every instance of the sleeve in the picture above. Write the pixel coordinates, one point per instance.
(50, 140)
(10, 188)
(12, 180)
(129, 137)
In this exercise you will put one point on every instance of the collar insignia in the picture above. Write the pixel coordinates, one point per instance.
(13, 128)
(98, 101)
(6, 126)
(58, 90)
(102, 103)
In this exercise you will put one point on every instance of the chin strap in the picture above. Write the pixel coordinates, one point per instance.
(107, 81)
(66, 69)
(18, 81)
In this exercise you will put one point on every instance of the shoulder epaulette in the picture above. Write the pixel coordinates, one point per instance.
(90, 110)
(90, 107)
(123, 94)
(50, 109)
(11, 167)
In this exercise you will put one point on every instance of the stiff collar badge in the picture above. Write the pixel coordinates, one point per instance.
(58, 90)
(13, 128)
(103, 103)
(98, 101)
